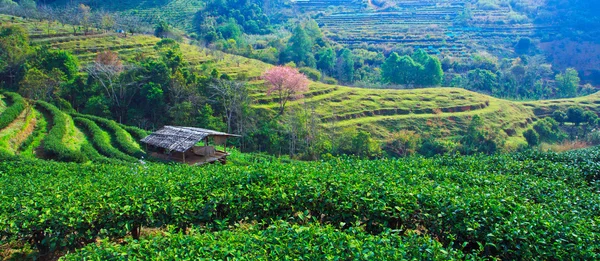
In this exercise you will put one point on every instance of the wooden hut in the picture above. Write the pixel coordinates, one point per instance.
(181, 144)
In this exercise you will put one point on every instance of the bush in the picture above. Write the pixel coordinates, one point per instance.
(548, 130)
(53, 142)
(532, 137)
(329, 80)
(403, 143)
(311, 73)
(123, 139)
(101, 140)
(12, 112)
(136, 132)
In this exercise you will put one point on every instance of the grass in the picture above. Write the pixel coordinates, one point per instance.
(17, 132)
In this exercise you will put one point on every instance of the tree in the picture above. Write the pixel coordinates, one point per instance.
(532, 137)
(8, 4)
(106, 70)
(49, 59)
(560, 116)
(567, 83)
(206, 119)
(479, 140)
(403, 143)
(482, 80)
(108, 22)
(400, 69)
(39, 86)
(85, 15)
(300, 48)
(286, 83)
(523, 45)
(14, 50)
(326, 60)
(548, 130)
(576, 114)
(432, 74)
(232, 97)
(345, 66)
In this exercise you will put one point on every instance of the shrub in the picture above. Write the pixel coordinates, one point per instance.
(329, 80)
(101, 140)
(123, 139)
(136, 132)
(532, 137)
(12, 112)
(53, 142)
(311, 73)
(403, 143)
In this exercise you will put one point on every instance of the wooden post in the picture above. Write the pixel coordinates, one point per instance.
(184, 157)
(225, 146)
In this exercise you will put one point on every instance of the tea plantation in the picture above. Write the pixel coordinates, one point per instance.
(530, 206)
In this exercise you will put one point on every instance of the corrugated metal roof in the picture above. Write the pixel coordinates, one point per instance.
(180, 139)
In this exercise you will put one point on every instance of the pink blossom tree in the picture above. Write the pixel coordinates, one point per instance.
(286, 83)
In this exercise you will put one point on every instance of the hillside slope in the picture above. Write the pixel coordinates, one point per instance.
(442, 112)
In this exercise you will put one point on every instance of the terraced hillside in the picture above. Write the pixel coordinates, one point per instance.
(444, 112)
(178, 13)
(41, 130)
(447, 27)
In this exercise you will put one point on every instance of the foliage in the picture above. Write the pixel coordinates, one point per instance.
(403, 143)
(567, 83)
(285, 83)
(548, 130)
(311, 73)
(279, 241)
(532, 137)
(53, 142)
(12, 112)
(299, 49)
(38, 85)
(345, 66)
(14, 50)
(101, 140)
(123, 139)
(497, 206)
(477, 139)
(420, 69)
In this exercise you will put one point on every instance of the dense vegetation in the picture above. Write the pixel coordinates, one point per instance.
(529, 206)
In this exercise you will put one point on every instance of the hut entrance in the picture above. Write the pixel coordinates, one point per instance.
(192, 146)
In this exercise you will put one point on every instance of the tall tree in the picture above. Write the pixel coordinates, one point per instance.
(40, 86)
(14, 50)
(232, 97)
(567, 83)
(300, 48)
(345, 66)
(286, 83)
(326, 60)
(106, 70)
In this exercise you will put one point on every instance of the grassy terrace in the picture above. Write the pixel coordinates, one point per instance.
(546, 107)
(427, 24)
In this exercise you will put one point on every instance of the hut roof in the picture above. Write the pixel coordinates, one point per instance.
(180, 139)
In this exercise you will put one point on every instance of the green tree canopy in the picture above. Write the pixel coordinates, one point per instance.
(567, 83)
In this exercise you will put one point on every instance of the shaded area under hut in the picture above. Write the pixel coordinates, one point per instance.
(180, 144)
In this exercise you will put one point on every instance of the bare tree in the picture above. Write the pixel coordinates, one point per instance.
(232, 96)
(107, 70)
